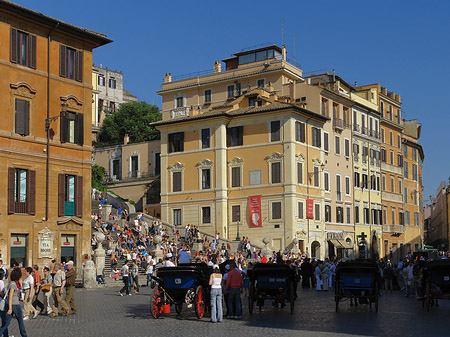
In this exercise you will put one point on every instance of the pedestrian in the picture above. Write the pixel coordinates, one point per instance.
(409, 277)
(12, 305)
(233, 287)
(46, 286)
(149, 272)
(325, 275)
(215, 281)
(319, 277)
(37, 289)
(135, 276)
(125, 274)
(28, 288)
(5, 271)
(388, 274)
(70, 288)
(59, 281)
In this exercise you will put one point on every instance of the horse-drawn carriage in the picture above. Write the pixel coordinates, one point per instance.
(182, 284)
(271, 282)
(436, 282)
(358, 281)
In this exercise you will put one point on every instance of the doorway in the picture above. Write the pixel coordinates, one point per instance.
(315, 250)
(68, 248)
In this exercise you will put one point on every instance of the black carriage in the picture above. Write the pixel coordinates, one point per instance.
(358, 281)
(184, 284)
(270, 281)
(436, 282)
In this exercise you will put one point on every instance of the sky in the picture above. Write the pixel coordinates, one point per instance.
(403, 45)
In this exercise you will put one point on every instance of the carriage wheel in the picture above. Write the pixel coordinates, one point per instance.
(427, 296)
(292, 298)
(336, 298)
(199, 302)
(178, 307)
(156, 303)
(251, 296)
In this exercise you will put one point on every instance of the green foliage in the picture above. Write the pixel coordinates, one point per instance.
(98, 177)
(133, 119)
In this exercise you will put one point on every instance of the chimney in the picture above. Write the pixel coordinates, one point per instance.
(269, 87)
(283, 53)
(126, 139)
(168, 77)
(384, 91)
(392, 95)
(398, 98)
(356, 84)
(217, 67)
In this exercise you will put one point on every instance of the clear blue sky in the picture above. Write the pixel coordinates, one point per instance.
(404, 45)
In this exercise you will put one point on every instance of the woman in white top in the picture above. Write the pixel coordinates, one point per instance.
(215, 281)
(28, 287)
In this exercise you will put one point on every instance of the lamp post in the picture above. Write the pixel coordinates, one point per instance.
(237, 234)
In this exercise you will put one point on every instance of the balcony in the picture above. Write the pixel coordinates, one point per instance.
(393, 197)
(339, 124)
(374, 133)
(179, 112)
(364, 130)
(391, 168)
(356, 127)
(394, 229)
(338, 196)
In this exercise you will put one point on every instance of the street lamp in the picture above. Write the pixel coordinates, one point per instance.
(237, 234)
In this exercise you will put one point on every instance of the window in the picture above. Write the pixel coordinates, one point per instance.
(260, 83)
(276, 210)
(357, 181)
(407, 218)
(235, 177)
(382, 135)
(324, 108)
(348, 210)
(405, 169)
(364, 181)
(366, 215)
(347, 147)
(356, 214)
(406, 195)
(414, 172)
(276, 173)
(176, 181)
(179, 102)
(157, 164)
(327, 213)
(338, 188)
(23, 48)
(398, 115)
(300, 209)
(236, 213)
(206, 179)
(112, 83)
(391, 154)
(399, 141)
(401, 218)
(300, 132)
(134, 166)
(71, 63)
(415, 197)
(355, 151)
(316, 137)
(405, 151)
(205, 138)
(112, 106)
(317, 212)
(383, 155)
(399, 160)
(325, 142)
(391, 138)
(316, 176)
(21, 191)
(230, 91)
(382, 108)
(177, 217)
(101, 80)
(72, 128)
(22, 117)
(251, 101)
(176, 142)
(392, 185)
(326, 181)
(339, 214)
(206, 215)
(390, 112)
(299, 173)
(275, 131)
(207, 96)
(70, 195)
(347, 185)
(337, 144)
(416, 219)
(399, 186)
(235, 136)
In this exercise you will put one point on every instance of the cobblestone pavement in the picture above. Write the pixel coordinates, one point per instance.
(104, 313)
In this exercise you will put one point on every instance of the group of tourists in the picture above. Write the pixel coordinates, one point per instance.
(20, 293)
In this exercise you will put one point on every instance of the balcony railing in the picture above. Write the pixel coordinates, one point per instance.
(393, 197)
(338, 123)
(356, 127)
(364, 130)
(179, 112)
(374, 133)
(394, 229)
(338, 196)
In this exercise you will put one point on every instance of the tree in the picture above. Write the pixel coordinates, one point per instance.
(132, 119)
(98, 176)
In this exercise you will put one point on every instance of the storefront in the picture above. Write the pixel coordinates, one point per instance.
(338, 246)
(18, 253)
(68, 248)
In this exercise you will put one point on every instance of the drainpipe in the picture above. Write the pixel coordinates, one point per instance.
(307, 177)
(47, 123)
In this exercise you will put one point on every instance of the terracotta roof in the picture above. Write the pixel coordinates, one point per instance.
(242, 111)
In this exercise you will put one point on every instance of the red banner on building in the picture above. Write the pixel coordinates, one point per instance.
(254, 207)
(309, 209)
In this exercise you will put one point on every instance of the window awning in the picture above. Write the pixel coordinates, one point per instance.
(340, 244)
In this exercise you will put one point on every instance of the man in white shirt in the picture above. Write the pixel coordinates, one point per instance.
(125, 275)
(169, 262)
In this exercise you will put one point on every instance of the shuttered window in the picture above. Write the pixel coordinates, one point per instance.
(316, 137)
(21, 191)
(176, 142)
(300, 210)
(326, 145)
(22, 117)
(72, 127)
(70, 195)
(177, 217)
(347, 147)
(300, 132)
(176, 183)
(276, 210)
(23, 48)
(275, 131)
(206, 215)
(299, 173)
(235, 136)
(71, 63)
(276, 173)
(236, 213)
(235, 177)
(206, 179)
